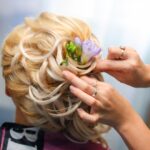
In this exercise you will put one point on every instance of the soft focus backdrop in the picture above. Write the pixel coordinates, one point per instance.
(114, 22)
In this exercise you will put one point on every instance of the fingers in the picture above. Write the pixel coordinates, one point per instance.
(84, 97)
(91, 118)
(111, 65)
(116, 53)
(116, 59)
(90, 81)
(79, 83)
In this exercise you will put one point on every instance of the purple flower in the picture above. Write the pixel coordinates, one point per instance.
(89, 50)
(77, 41)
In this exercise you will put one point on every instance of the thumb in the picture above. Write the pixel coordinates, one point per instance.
(110, 65)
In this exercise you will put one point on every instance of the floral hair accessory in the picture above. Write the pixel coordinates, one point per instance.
(81, 51)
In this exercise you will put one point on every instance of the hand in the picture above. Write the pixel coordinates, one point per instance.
(126, 66)
(107, 106)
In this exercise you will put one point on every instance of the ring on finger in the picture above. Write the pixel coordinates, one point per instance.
(123, 48)
(94, 89)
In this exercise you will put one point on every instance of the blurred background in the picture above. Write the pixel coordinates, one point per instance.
(114, 22)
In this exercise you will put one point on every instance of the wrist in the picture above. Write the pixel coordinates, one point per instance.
(126, 117)
(124, 126)
(129, 120)
(135, 133)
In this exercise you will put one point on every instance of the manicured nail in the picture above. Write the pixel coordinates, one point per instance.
(65, 74)
(79, 110)
(72, 88)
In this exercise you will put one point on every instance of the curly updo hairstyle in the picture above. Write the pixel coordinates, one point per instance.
(31, 59)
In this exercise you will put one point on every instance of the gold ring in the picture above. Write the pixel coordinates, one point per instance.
(122, 52)
(122, 47)
(94, 89)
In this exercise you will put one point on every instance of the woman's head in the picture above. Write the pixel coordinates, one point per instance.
(34, 56)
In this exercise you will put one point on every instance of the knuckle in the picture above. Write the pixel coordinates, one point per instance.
(98, 104)
(108, 106)
(133, 64)
(131, 49)
(93, 102)
(108, 88)
(83, 77)
(103, 107)
(82, 115)
(94, 120)
(111, 50)
(88, 89)
(73, 78)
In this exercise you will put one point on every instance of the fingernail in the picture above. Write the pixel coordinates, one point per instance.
(79, 109)
(64, 73)
(72, 88)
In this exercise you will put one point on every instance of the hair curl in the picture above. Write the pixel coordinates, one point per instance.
(32, 54)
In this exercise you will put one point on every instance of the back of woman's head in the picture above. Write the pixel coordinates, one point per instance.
(34, 56)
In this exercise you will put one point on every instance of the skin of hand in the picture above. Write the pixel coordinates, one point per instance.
(128, 69)
(105, 106)
(109, 107)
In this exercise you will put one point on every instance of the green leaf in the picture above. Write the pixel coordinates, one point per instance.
(78, 51)
(71, 47)
(64, 62)
(74, 51)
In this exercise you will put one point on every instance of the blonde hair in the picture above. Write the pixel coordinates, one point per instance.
(32, 54)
